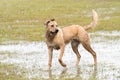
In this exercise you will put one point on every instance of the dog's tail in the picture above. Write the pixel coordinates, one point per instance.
(94, 21)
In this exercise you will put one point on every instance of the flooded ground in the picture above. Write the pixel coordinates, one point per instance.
(29, 59)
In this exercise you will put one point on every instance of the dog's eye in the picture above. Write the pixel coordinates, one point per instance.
(56, 25)
(52, 25)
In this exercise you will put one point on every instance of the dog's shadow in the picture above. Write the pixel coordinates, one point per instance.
(64, 75)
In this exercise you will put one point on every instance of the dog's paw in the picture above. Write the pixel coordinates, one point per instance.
(64, 65)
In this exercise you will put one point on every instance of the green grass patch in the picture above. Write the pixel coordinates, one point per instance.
(22, 32)
(24, 19)
(8, 72)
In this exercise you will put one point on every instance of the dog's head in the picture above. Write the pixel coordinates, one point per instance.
(51, 26)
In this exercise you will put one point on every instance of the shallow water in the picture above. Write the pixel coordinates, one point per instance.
(32, 57)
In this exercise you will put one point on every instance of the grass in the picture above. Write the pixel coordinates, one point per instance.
(13, 72)
(8, 72)
(24, 19)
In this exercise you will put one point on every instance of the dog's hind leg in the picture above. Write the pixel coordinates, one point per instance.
(86, 45)
(74, 44)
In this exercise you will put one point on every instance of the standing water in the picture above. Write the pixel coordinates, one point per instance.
(30, 59)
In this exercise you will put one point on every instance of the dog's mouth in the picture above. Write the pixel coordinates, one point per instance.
(53, 33)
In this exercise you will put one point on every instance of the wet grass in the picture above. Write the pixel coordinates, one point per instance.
(85, 72)
(105, 37)
(22, 21)
(31, 63)
(14, 72)
(9, 72)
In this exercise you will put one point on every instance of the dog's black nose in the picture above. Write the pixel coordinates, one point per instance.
(56, 30)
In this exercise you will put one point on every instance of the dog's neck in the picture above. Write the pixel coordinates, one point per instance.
(50, 35)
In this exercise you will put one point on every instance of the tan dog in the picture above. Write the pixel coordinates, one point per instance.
(57, 38)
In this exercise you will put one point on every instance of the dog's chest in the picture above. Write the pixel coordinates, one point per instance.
(54, 45)
(58, 39)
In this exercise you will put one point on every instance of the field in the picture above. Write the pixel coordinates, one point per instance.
(23, 53)
(24, 19)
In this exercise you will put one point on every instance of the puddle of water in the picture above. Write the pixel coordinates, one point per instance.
(32, 57)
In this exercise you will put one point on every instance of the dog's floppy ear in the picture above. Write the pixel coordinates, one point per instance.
(46, 23)
(53, 19)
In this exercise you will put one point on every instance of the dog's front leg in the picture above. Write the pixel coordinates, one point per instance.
(61, 55)
(50, 52)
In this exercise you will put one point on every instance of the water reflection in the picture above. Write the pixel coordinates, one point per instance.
(94, 74)
(77, 76)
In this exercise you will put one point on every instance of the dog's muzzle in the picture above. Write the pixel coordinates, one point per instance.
(54, 33)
